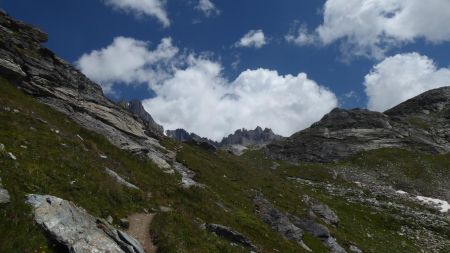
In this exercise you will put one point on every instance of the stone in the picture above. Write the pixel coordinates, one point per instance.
(2, 147)
(76, 230)
(231, 235)
(4, 194)
(355, 249)
(109, 219)
(124, 223)
(120, 180)
(9, 68)
(325, 213)
(12, 156)
(278, 221)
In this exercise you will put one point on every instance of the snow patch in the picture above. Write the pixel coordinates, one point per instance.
(443, 205)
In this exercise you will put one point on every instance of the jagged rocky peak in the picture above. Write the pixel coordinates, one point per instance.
(256, 137)
(135, 107)
(184, 136)
(180, 135)
(421, 123)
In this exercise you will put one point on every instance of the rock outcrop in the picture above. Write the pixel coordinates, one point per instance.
(421, 123)
(278, 221)
(292, 227)
(120, 180)
(39, 72)
(76, 230)
(137, 109)
(231, 235)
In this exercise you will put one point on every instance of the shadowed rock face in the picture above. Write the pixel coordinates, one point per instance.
(52, 81)
(421, 123)
(136, 108)
(231, 235)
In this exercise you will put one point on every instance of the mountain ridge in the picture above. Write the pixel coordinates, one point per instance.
(343, 132)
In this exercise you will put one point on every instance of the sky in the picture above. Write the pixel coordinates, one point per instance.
(214, 66)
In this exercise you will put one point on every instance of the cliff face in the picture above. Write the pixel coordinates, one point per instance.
(51, 80)
(421, 123)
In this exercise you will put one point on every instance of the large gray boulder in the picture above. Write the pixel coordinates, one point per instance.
(278, 221)
(75, 229)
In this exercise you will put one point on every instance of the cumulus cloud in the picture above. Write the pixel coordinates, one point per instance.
(191, 92)
(370, 28)
(207, 7)
(128, 61)
(153, 8)
(254, 38)
(200, 100)
(402, 77)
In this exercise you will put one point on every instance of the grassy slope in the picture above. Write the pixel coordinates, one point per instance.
(48, 167)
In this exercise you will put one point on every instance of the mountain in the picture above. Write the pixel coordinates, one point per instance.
(240, 138)
(421, 123)
(183, 136)
(80, 173)
(244, 137)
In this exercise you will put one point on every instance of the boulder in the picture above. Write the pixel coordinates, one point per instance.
(4, 194)
(76, 230)
(278, 221)
(325, 213)
(231, 235)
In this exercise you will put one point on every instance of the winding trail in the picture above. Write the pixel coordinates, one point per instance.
(139, 228)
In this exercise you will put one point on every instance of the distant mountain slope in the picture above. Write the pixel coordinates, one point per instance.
(421, 123)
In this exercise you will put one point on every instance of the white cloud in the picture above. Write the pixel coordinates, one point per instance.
(192, 93)
(402, 77)
(153, 8)
(370, 28)
(254, 38)
(207, 7)
(128, 61)
(299, 35)
(200, 100)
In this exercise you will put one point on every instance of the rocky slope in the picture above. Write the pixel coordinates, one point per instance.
(420, 123)
(51, 80)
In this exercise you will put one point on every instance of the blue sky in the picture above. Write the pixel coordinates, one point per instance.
(357, 61)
